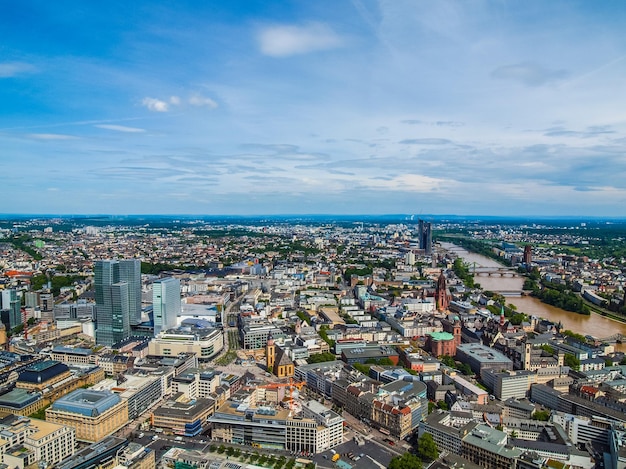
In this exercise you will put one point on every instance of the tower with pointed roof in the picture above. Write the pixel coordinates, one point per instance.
(270, 353)
(441, 293)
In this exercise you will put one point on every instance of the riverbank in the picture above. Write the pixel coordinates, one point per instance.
(596, 324)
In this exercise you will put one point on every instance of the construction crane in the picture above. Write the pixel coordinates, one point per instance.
(291, 384)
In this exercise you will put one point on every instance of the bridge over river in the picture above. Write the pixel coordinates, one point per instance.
(495, 272)
(596, 325)
(613, 339)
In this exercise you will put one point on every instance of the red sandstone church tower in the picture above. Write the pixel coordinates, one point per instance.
(441, 293)
(528, 255)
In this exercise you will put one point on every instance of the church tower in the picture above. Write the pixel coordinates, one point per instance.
(441, 293)
(270, 353)
(456, 328)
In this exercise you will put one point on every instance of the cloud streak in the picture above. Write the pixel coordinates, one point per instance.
(529, 74)
(289, 40)
(14, 69)
(120, 128)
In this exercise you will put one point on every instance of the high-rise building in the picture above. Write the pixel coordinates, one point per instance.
(130, 272)
(166, 303)
(12, 303)
(118, 295)
(425, 237)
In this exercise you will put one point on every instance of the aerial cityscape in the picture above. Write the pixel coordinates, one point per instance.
(312, 341)
(327, 234)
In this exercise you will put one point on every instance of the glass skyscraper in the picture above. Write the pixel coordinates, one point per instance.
(12, 303)
(425, 235)
(118, 299)
(166, 303)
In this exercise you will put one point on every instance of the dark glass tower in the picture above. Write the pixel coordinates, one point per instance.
(425, 237)
(118, 299)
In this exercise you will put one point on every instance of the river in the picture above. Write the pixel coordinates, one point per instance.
(595, 325)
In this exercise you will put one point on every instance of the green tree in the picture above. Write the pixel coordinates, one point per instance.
(542, 415)
(448, 361)
(466, 369)
(406, 461)
(571, 361)
(426, 448)
(321, 357)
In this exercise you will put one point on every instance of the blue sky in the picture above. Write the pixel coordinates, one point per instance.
(338, 106)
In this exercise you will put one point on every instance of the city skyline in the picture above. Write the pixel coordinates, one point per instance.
(251, 108)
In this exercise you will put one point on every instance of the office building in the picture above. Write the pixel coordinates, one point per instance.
(136, 456)
(480, 357)
(141, 391)
(43, 374)
(205, 342)
(508, 384)
(424, 231)
(166, 303)
(183, 416)
(100, 455)
(94, 414)
(118, 298)
(130, 272)
(272, 427)
(487, 447)
(616, 457)
(11, 303)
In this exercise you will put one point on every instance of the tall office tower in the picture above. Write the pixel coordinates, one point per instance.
(130, 272)
(425, 237)
(12, 303)
(115, 300)
(32, 299)
(166, 303)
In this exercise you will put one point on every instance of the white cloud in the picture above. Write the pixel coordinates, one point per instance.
(175, 100)
(198, 100)
(155, 105)
(120, 128)
(284, 41)
(52, 137)
(405, 183)
(12, 69)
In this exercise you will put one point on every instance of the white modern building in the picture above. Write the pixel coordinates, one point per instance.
(166, 303)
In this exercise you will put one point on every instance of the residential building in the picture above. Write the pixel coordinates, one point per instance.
(36, 439)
